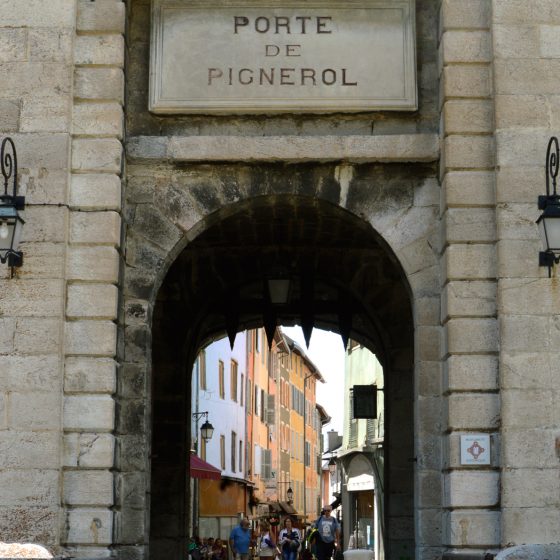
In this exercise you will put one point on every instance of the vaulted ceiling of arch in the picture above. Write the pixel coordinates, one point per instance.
(341, 275)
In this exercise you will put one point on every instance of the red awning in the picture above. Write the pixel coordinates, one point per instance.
(202, 469)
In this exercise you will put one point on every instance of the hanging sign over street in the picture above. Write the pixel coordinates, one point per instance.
(246, 56)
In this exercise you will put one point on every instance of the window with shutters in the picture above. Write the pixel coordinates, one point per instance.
(223, 452)
(263, 405)
(202, 369)
(233, 451)
(271, 410)
(221, 379)
(241, 389)
(266, 469)
(240, 456)
(233, 380)
(307, 456)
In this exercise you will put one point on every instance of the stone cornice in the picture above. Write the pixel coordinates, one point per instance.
(422, 147)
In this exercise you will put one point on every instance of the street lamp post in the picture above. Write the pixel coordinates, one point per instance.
(549, 220)
(289, 491)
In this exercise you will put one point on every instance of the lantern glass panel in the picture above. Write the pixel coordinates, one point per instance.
(549, 228)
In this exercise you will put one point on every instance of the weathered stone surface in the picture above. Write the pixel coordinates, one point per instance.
(519, 410)
(396, 147)
(520, 111)
(468, 188)
(89, 450)
(37, 336)
(516, 41)
(90, 375)
(37, 487)
(468, 116)
(95, 338)
(97, 301)
(469, 262)
(99, 264)
(472, 335)
(466, 81)
(471, 489)
(99, 155)
(475, 152)
(90, 526)
(51, 45)
(95, 227)
(29, 373)
(99, 83)
(526, 77)
(471, 373)
(9, 115)
(45, 224)
(530, 487)
(529, 447)
(474, 528)
(89, 413)
(526, 370)
(529, 551)
(461, 225)
(465, 14)
(35, 13)
(13, 44)
(33, 298)
(34, 411)
(519, 11)
(33, 448)
(103, 15)
(471, 298)
(88, 488)
(97, 119)
(466, 46)
(106, 50)
(529, 523)
(473, 411)
(31, 524)
(95, 192)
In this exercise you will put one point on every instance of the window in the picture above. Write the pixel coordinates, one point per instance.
(233, 451)
(233, 384)
(257, 332)
(240, 456)
(249, 393)
(202, 369)
(307, 454)
(257, 401)
(223, 452)
(242, 390)
(266, 467)
(263, 404)
(221, 379)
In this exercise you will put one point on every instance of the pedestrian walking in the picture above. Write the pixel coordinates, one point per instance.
(266, 548)
(240, 540)
(328, 534)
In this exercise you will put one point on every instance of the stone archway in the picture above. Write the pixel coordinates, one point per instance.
(225, 256)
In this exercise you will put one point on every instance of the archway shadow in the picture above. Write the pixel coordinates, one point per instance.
(342, 276)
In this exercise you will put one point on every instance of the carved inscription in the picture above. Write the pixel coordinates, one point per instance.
(290, 57)
(280, 75)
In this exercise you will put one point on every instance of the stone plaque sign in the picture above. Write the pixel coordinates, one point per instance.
(248, 56)
(475, 449)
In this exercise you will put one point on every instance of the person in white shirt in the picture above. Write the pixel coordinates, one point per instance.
(289, 540)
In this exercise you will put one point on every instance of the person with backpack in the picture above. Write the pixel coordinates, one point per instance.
(328, 534)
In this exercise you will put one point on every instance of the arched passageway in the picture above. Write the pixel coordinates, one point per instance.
(342, 277)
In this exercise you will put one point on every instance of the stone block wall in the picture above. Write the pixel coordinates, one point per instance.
(471, 496)
(57, 315)
(92, 294)
(526, 63)
(36, 62)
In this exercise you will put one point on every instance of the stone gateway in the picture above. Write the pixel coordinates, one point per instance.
(385, 154)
